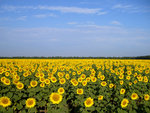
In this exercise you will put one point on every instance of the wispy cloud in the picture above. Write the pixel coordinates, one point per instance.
(58, 8)
(45, 15)
(131, 8)
(72, 23)
(115, 22)
(23, 18)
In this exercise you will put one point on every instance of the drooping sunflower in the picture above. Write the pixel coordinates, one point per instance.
(80, 91)
(124, 103)
(5, 101)
(61, 90)
(19, 85)
(100, 97)
(146, 97)
(30, 102)
(55, 98)
(33, 83)
(88, 102)
(134, 96)
(104, 83)
(122, 91)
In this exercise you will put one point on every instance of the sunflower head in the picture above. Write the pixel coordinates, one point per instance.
(146, 97)
(100, 97)
(19, 85)
(61, 90)
(62, 81)
(33, 83)
(122, 91)
(30, 102)
(104, 83)
(5, 101)
(80, 91)
(134, 96)
(88, 102)
(55, 98)
(124, 103)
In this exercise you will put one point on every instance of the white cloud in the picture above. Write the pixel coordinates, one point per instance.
(45, 15)
(115, 22)
(22, 18)
(58, 8)
(72, 23)
(120, 6)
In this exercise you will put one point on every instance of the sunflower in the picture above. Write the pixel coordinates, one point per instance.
(6, 81)
(80, 91)
(124, 103)
(100, 97)
(61, 90)
(121, 82)
(84, 83)
(53, 79)
(5, 101)
(111, 85)
(134, 96)
(75, 83)
(62, 81)
(67, 76)
(93, 79)
(88, 102)
(7, 74)
(128, 77)
(20, 85)
(104, 83)
(47, 81)
(33, 83)
(146, 97)
(30, 102)
(55, 98)
(3, 79)
(122, 91)
(80, 79)
(88, 79)
(42, 84)
(42, 79)
(102, 77)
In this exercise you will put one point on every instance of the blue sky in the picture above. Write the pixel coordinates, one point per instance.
(74, 27)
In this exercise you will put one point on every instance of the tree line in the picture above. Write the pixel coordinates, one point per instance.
(73, 57)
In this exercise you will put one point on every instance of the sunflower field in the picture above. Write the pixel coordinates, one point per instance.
(74, 86)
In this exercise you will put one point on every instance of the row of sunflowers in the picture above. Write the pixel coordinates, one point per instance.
(74, 86)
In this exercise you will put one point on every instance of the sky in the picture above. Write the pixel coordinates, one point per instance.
(74, 28)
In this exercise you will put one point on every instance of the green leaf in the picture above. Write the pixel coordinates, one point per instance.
(10, 110)
(19, 106)
(32, 110)
(9, 94)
